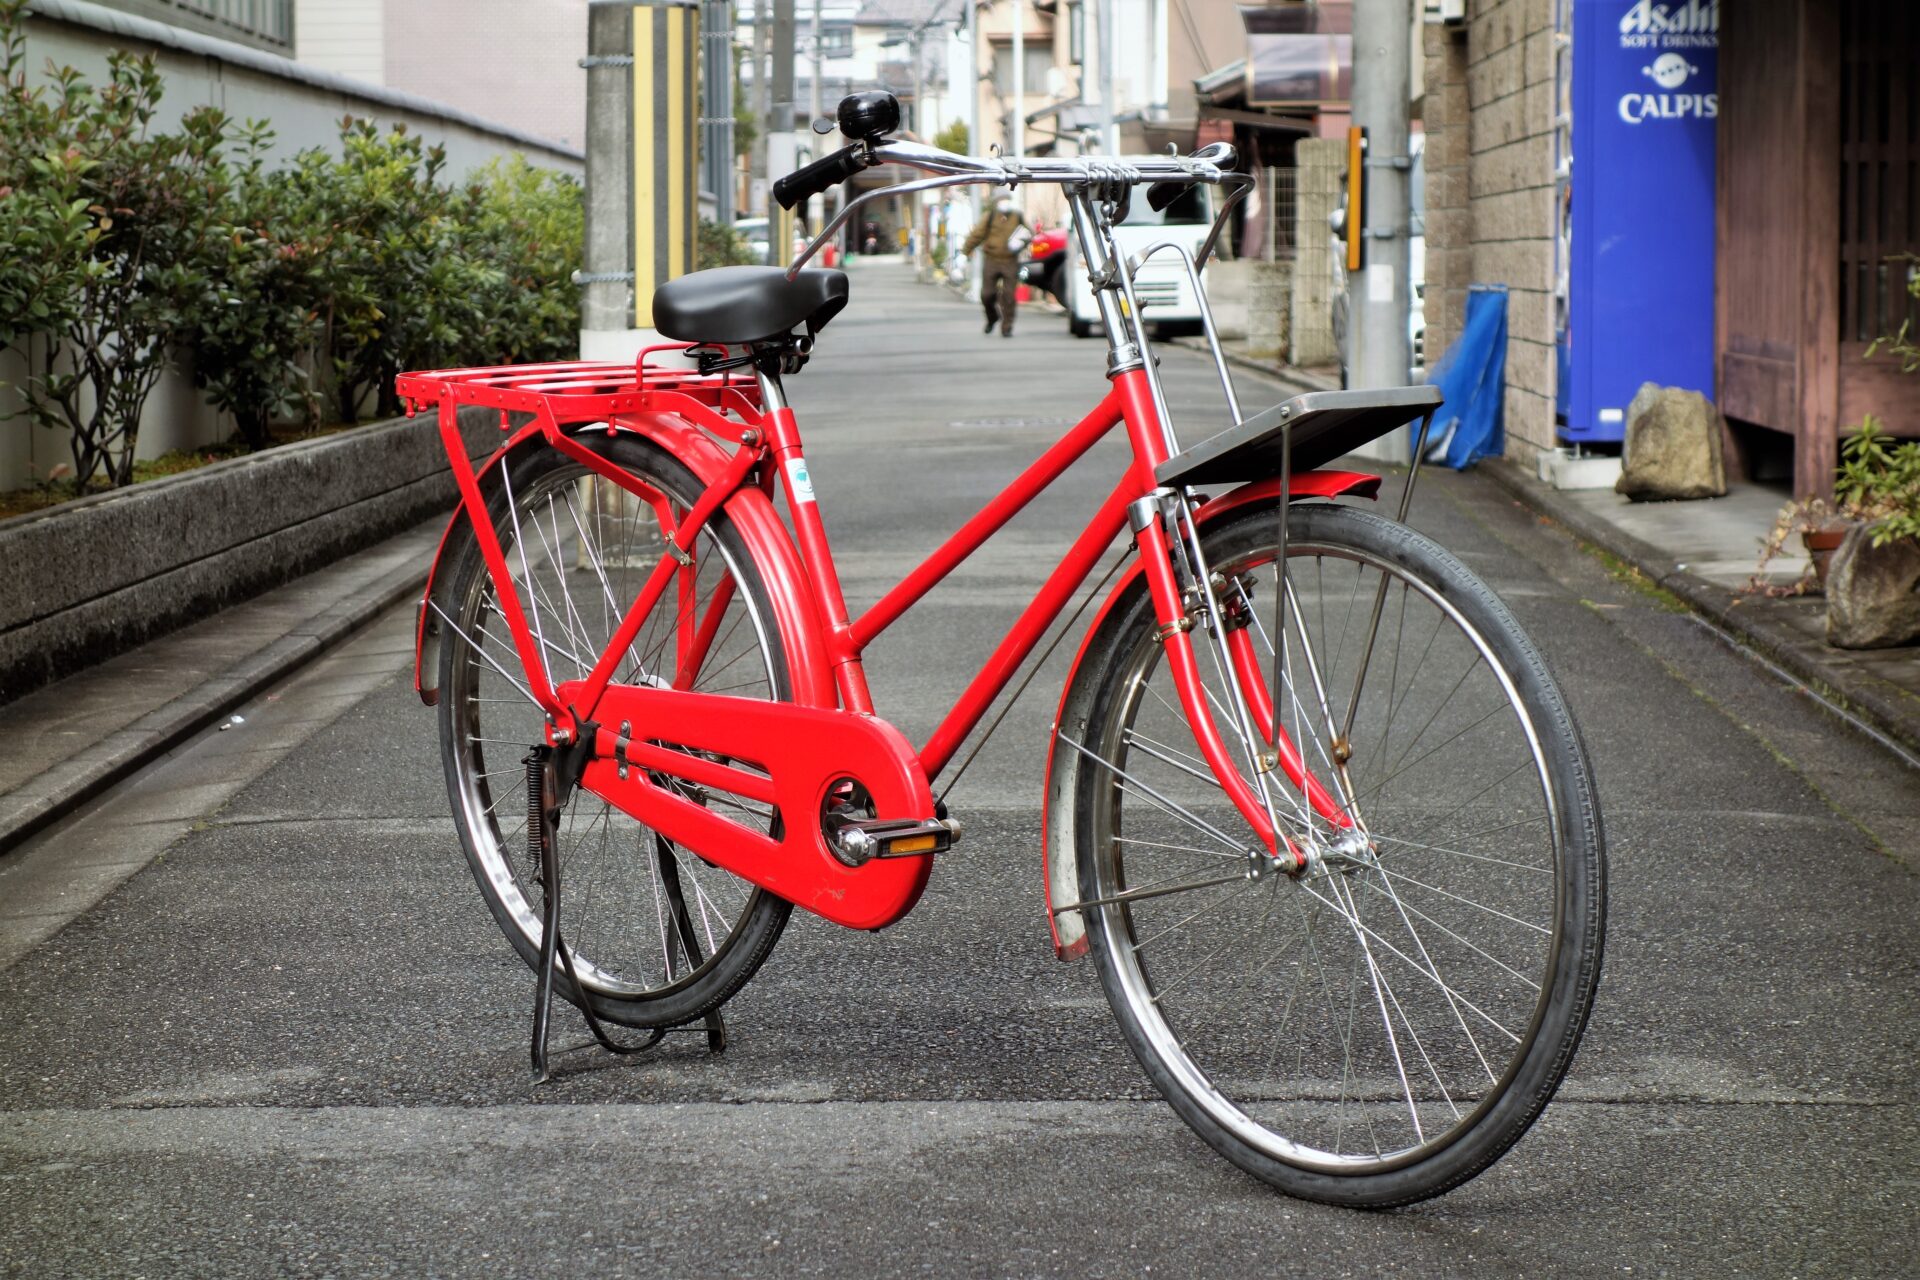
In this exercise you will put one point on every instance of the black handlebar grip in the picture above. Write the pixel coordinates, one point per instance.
(828, 171)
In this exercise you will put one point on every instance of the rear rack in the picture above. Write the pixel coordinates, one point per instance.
(574, 391)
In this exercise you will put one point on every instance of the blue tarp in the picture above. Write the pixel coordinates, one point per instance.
(1471, 377)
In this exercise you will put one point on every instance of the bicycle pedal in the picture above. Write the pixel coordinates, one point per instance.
(857, 841)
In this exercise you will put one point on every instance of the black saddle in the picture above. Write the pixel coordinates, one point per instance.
(741, 305)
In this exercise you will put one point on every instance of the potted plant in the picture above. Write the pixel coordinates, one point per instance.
(1877, 483)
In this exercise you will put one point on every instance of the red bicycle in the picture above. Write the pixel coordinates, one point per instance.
(1312, 800)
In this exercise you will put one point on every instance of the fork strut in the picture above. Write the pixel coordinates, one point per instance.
(1186, 676)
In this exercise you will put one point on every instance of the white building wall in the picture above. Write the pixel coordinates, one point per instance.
(347, 37)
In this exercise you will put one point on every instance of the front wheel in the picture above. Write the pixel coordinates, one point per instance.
(1382, 1027)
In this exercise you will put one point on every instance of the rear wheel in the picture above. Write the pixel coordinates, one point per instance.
(658, 936)
(1382, 1027)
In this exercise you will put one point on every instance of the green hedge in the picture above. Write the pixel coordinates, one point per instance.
(296, 292)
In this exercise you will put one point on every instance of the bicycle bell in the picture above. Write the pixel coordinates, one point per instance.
(869, 116)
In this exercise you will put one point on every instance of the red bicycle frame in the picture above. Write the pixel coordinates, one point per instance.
(788, 755)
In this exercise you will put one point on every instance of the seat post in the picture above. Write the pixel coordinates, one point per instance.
(810, 533)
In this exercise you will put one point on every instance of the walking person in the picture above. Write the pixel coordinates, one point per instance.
(1000, 239)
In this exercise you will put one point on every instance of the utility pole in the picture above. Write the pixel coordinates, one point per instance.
(817, 212)
(783, 148)
(716, 106)
(1018, 140)
(819, 64)
(1379, 294)
(971, 9)
(642, 178)
(1103, 42)
(757, 179)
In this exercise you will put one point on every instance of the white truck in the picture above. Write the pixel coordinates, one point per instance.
(1166, 295)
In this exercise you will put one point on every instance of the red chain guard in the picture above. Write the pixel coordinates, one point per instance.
(773, 753)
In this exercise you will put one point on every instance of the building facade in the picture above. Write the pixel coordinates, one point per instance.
(1805, 169)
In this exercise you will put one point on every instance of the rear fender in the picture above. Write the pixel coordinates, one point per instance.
(1076, 699)
(752, 513)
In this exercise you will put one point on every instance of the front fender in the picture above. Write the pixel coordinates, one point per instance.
(753, 515)
(1076, 699)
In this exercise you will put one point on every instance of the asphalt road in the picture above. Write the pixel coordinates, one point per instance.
(294, 1044)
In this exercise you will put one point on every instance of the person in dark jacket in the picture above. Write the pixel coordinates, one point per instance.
(1000, 237)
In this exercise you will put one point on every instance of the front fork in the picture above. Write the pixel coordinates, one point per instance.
(1186, 596)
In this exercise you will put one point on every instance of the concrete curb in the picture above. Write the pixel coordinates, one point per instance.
(1883, 707)
(72, 782)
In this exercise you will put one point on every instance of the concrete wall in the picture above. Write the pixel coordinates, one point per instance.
(1318, 190)
(1489, 121)
(97, 577)
(517, 61)
(1269, 308)
(303, 104)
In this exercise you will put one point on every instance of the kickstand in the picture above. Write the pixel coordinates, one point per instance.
(543, 823)
(683, 927)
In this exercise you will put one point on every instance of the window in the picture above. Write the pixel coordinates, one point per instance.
(836, 40)
(1039, 62)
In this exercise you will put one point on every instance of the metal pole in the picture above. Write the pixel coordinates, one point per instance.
(1104, 39)
(817, 210)
(819, 60)
(1379, 295)
(1017, 142)
(757, 166)
(716, 106)
(606, 297)
(783, 148)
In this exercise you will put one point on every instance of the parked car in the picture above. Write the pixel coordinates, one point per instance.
(1416, 272)
(1166, 294)
(754, 232)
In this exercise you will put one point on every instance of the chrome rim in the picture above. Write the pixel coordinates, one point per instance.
(1367, 1013)
(579, 549)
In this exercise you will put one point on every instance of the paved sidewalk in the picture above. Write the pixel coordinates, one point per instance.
(71, 740)
(1704, 553)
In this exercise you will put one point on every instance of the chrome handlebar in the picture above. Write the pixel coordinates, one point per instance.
(1211, 164)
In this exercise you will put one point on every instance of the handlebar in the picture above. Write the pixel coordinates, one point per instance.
(1211, 164)
(828, 171)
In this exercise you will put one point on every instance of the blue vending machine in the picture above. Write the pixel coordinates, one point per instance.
(1640, 300)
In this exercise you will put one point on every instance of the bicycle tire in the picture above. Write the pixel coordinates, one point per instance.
(1441, 915)
(603, 850)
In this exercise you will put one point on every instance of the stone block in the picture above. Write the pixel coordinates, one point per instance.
(1448, 188)
(1525, 264)
(1873, 593)
(1537, 57)
(1447, 144)
(1514, 166)
(1514, 215)
(1269, 302)
(1494, 28)
(1672, 447)
(1529, 423)
(1494, 76)
(1530, 365)
(1530, 315)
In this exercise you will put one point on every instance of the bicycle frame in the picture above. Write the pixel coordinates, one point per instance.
(792, 755)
